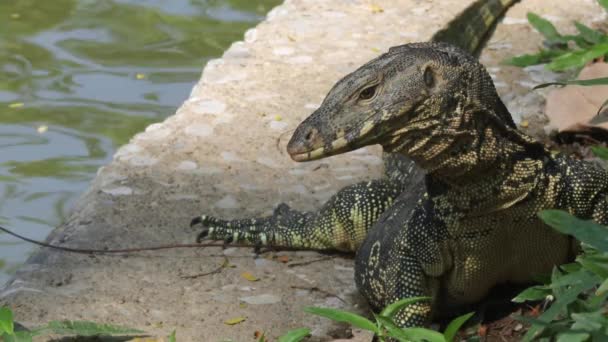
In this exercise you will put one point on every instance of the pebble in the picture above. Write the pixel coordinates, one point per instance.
(118, 191)
(227, 202)
(261, 299)
(209, 107)
(198, 130)
(187, 165)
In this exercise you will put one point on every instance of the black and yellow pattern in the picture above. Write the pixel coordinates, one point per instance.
(471, 224)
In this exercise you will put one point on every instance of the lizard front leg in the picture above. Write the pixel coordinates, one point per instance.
(341, 224)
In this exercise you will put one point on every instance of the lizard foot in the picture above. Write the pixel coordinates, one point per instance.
(258, 232)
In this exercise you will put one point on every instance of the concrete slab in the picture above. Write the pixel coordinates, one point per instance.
(222, 154)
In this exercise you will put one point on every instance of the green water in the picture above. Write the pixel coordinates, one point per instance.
(78, 78)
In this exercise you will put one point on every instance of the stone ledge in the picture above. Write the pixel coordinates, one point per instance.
(222, 153)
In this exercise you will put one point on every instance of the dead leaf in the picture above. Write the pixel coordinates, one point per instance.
(249, 276)
(573, 109)
(482, 331)
(535, 311)
(283, 258)
(376, 8)
(236, 320)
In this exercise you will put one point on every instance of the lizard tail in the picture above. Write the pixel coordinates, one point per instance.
(474, 25)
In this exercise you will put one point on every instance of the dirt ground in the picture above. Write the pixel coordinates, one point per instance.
(223, 154)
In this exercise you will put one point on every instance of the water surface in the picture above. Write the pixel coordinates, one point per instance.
(78, 78)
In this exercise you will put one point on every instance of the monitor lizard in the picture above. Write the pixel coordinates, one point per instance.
(471, 224)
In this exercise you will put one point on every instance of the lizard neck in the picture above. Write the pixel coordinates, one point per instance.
(481, 163)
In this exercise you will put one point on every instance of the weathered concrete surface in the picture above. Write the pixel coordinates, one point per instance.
(223, 154)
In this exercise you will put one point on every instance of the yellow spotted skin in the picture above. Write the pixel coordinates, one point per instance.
(341, 224)
(473, 224)
(457, 213)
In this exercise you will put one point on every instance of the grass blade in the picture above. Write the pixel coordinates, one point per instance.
(344, 316)
(6, 321)
(455, 325)
(589, 34)
(543, 56)
(544, 27)
(295, 335)
(409, 334)
(390, 310)
(578, 59)
(600, 152)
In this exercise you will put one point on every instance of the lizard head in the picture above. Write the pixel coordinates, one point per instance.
(401, 99)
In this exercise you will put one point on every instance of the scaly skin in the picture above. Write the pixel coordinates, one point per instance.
(287, 228)
(476, 224)
(344, 223)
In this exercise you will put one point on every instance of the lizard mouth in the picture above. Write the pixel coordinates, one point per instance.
(314, 147)
(312, 140)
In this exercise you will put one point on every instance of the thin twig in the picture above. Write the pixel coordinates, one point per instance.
(308, 262)
(316, 289)
(217, 270)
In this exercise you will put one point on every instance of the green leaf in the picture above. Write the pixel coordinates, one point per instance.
(600, 151)
(590, 82)
(573, 279)
(455, 325)
(6, 320)
(390, 310)
(409, 334)
(387, 323)
(603, 288)
(595, 264)
(572, 336)
(543, 56)
(86, 328)
(585, 231)
(545, 27)
(532, 293)
(604, 3)
(171, 337)
(578, 59)
(344, 316)
(589, 321)
(589, 34)
(295, 335)
(18, 336)
(569, 295)
(422, 334)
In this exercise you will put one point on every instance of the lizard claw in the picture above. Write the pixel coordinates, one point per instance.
(202, 235)
(196, 220)
(227, 241)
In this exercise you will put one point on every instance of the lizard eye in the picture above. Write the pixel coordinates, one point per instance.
(429, 78)
(368, 93)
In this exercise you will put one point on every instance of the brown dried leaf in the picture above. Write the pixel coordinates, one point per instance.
(575, 108)
(483, 330)
(283, 258)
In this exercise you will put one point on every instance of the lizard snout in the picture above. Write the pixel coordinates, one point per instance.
(304, 140)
